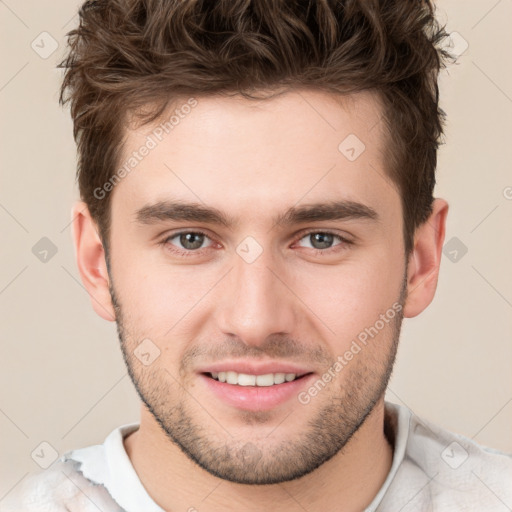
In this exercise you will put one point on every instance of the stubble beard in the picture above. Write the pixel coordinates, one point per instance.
(344, 408)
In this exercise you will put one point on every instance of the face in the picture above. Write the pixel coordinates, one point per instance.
(252, 244)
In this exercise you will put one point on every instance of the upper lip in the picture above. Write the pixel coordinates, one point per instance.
(255, 368)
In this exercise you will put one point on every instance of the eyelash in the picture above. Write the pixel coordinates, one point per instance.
(182, 252)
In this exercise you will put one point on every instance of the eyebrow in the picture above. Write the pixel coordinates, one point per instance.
(196, 212)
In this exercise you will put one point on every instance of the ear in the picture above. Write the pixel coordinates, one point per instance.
(90, 257)
(425, 259)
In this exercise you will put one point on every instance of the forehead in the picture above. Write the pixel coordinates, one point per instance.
(246, 156)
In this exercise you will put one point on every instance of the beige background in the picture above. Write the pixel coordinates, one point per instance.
(62, 377)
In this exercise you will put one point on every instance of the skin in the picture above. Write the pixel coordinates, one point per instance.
(253, 161)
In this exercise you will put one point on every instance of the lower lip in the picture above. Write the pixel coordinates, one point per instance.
(256, 398)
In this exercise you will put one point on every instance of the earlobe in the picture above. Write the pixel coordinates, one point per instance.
(425, 259)
(90, 257)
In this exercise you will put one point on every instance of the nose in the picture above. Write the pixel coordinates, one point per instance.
(256, 301)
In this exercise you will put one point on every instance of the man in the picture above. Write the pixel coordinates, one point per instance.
(257, 217)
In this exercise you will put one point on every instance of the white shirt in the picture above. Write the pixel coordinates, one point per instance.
(432, 470)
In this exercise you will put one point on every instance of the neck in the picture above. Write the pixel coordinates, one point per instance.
(352, 477)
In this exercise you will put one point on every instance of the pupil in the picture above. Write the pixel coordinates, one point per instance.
(321, 240)
(191, 240)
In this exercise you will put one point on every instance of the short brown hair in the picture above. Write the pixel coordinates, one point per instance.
(137, 56)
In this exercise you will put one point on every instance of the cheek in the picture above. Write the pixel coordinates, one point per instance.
(351, 297)
(158, 299)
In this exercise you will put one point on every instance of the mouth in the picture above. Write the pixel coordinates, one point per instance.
(255, 391)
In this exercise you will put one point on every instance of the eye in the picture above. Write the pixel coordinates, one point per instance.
(187, 241)
(324, 240)
(190, 243)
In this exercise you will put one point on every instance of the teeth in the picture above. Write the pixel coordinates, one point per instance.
(265, 380)
(244, 379)
(231, 378)
(279, 378)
